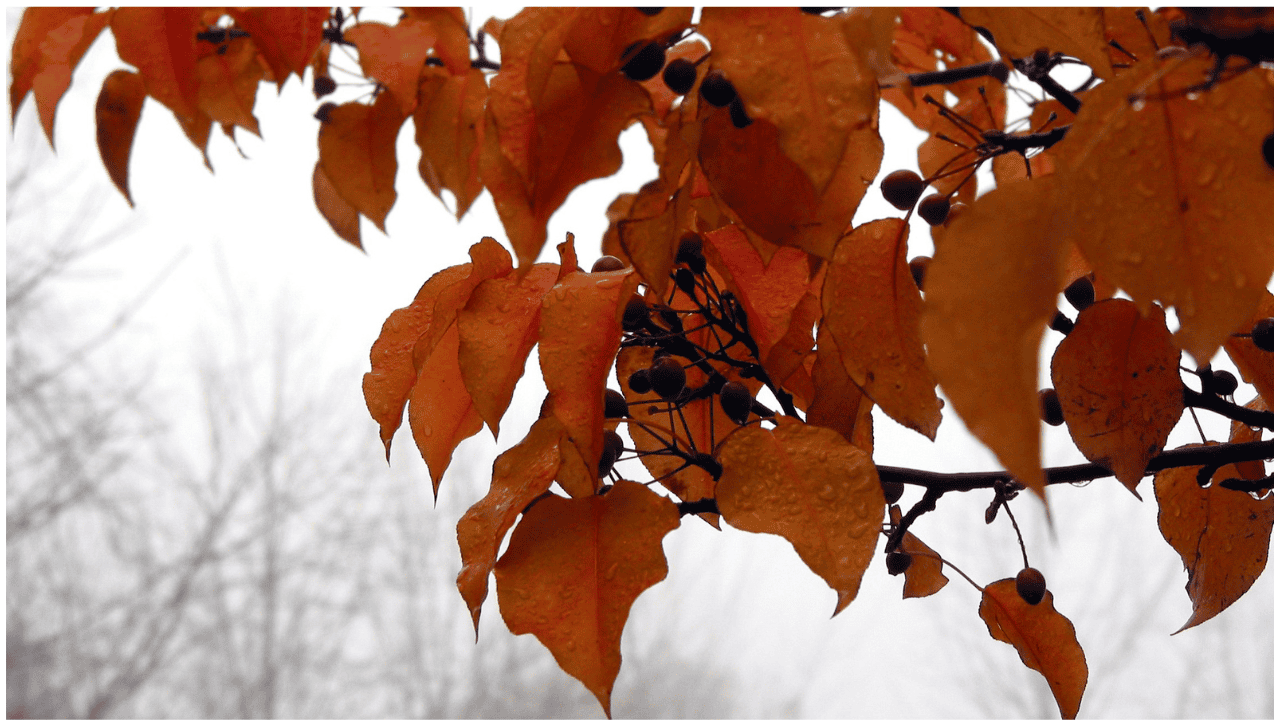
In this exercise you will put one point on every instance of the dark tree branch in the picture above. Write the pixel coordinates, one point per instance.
(1213, 403)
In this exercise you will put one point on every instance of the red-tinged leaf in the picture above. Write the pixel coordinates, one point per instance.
(60, 53)
(1019, 32)
(1045, 640)
(341, 215)
(448, 127)
(786, 359)
(441, 414)
(987, 306)
(924, 577)
(872, 308)
(1117, 380)
(574, 567)
(497, 330)
(453, 43)
(838, 402)
(161, 43)
(287, 37)
(924, 31)
(611, 244)
(1241, 433)
(520, 475)
(229, 84)
(117, 112)
(392, 375)
(394, 55)
(197, 129)
(488, 260)
(769, 295)
(1256, 366)
(810, 486)
(578, 337)
(27, 60)
(599, 36)
(1173, 197)
(1222, 535)
(358, 153)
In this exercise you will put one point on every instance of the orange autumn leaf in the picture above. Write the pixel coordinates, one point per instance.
(520, 475)
(287, 37)
(489, 260)
(1045, 640)
(453, 42)
(810, 486)
(1123, 28)
(1185, 214)
(358, 153)
(448, 125)
(27, 58)
(922, 32)
(872, 309)
(1241, 433)
(1019, 32)
(924, 576)
(1256, 366)
(161, 43)
(1117, 380)
(394, 55)
(579, 333)
(229, 84)
(838, 402)
(340, 214)
(574, 567)
(441, 413)
(118, 109)
(60, 53)
(1222, 535)
(986, 307)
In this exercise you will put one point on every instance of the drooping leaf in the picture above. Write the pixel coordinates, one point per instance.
(574, 567)
(838, 402)
(287, 37)
(453, 41)
(489, 260)
(1045, 640)
(229, 84)
(1173, 194)
(986, 307)
(579, 333)
(1019, 32)
(1257, 366)
(26, 59)
(924, 576)
(872, 309)
(810, 486)
(1222, 535)
(1117, 380)
(118, 109)
(340, 214)
(441, 413)
(394, 55)
(60, 53)
(161, 43)
(448, 127)
(358, 153)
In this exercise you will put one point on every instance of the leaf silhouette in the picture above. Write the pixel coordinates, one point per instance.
(358, 153)
(340, 214)
(1117, 380)
(838, 402)
(394, 55)
(118, 109)
(229, 84)
(287, 37)
(1173, 196)
(1222, 535)
(27, 59)
(448, 127)
(1257, 366)
(573, 569)
(985, 311)
(924, 577)
(1019, 32)
(872, 308)
(1045, 639)
(161, 43)
(60, 53)
(810, 486)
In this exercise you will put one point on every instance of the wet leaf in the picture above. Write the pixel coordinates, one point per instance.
(1173, 196)
(1125, 29)
(573, 569)
(1117, 380)
(1222, 535)
(448, 126)
(441, 413)
(872, 308)
(1019, 32)
(287, 37)
(161, 43)
(1045, 640)
(1257, 366)
(810, 486)
(987, 307)
(838, 402)
(924, 577)
(1241, 433)
(340, 214)
(118, 109)
(394, 55)
(358, 153)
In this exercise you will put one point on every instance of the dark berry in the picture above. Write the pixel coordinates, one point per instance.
(1269, 149)
(1061, 323)
(680, 75)
(322, 114)
(607, 263)
(323, 85)
(897, 562)
(717, 90)
(639, 381)
(1080, 293)
(999, 71)
(636, 314)
(1222, 382)
(1264, 334)
(611, 452)
(918, 266)
(934, 209)
(667, 377)
(615, 406)
(1050, 407)
(892, 491)
(685, 281)
(690, 252)
(738, 113)
(1031, 585)
(646, 63)
(735, 399)
(992, 510)
(670, 317)
(649, 11)
(902, 188)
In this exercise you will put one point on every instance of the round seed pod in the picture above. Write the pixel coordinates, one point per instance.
(607, 263)
(1030, 583)
(639, 381)
(735, 399)
(902, 188)
(615, 406)
(897, 562)
(667, 377)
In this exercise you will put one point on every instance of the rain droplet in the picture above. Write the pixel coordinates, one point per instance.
(1206, 174)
